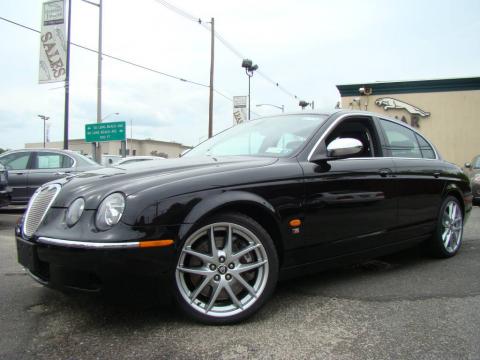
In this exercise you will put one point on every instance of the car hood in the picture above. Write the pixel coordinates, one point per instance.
(129, 179)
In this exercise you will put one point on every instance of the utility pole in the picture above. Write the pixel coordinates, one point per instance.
(97, 152)
(67, 78)
(99, 79)
(97, 147)
(212, 58)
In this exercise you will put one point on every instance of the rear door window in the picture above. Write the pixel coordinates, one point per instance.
(401, 141)
(47, 160)
(425, 148)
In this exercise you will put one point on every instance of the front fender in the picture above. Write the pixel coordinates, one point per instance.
(224, 199)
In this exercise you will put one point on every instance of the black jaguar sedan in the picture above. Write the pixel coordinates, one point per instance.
(265, 200)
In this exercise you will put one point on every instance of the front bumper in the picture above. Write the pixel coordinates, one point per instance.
(65, 265)
(83, 258)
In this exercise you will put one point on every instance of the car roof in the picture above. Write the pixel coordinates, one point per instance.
(353, 112)
(44, 150)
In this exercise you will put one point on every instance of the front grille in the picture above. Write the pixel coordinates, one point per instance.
(38, 207)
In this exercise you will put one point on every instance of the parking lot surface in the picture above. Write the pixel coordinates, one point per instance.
(398, 307)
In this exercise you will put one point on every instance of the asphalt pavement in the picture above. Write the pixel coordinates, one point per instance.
(404, 306)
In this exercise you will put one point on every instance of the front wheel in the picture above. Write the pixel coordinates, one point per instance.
(447, 238)
(226, 270)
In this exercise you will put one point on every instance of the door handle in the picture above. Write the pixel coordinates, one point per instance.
(385, 172)
(437, 173)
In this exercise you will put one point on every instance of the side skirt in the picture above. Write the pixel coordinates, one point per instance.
(338, 261)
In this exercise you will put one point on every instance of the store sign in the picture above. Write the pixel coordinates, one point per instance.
(53, 47)
(239, 109)
(415, 113)
(109, 131)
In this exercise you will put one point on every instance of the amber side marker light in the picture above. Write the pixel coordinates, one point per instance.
(155, 243)
(295, 223)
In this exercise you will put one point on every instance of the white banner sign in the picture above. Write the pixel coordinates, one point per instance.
(239, 109)
(53, 47)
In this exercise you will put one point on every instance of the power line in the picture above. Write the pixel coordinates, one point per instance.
(126, 61)
(179, 11)
(131, 63)
(228, 45)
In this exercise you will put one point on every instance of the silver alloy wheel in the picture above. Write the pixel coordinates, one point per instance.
(222, 269)
(452, 222)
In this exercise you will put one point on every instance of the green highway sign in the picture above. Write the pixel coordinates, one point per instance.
(108, 131)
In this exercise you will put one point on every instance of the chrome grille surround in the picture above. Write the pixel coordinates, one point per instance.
(38, 207)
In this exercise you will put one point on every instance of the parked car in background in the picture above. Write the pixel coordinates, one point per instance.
(472, 169)
(110, 160)
(30, 168)
(5, 190)
(135, 159)
(265, 200)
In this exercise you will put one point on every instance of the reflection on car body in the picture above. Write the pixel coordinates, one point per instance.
(266, 200)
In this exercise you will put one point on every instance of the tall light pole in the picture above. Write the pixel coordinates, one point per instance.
(249, 69)
(97, 153)
(44, 118)
(67, 79)
(303, 104)
(131, 137)
(275, 106)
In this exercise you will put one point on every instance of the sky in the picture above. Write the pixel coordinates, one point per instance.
(307, 46)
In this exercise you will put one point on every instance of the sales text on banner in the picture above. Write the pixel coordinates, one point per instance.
(53, 46)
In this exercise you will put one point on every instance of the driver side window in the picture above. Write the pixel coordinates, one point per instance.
(360, 129)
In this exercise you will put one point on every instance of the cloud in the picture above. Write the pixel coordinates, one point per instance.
(308, 46)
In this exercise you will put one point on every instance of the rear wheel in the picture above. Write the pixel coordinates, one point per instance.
(448, 236)
(226, 270)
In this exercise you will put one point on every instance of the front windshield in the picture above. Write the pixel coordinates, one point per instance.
(278, 136)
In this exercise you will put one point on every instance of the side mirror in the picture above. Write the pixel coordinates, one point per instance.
(468, 165)
(344, 147)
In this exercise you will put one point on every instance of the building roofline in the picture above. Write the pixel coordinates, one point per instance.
(412, 86)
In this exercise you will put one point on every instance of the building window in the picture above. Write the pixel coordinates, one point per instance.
(134, 152)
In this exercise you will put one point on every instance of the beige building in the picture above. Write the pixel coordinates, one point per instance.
(446, 111)
(135, 147)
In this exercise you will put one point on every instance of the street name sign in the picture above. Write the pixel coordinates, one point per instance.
(108, 131)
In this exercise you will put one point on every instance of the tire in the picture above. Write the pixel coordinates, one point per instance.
(447, 239)
(228, 280)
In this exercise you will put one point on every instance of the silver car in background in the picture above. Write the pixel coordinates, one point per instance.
(28, 169)
(472, 169)
(5, 190)
(137, 159)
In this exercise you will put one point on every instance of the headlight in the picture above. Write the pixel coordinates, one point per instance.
(75, 211)
(110, 211)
